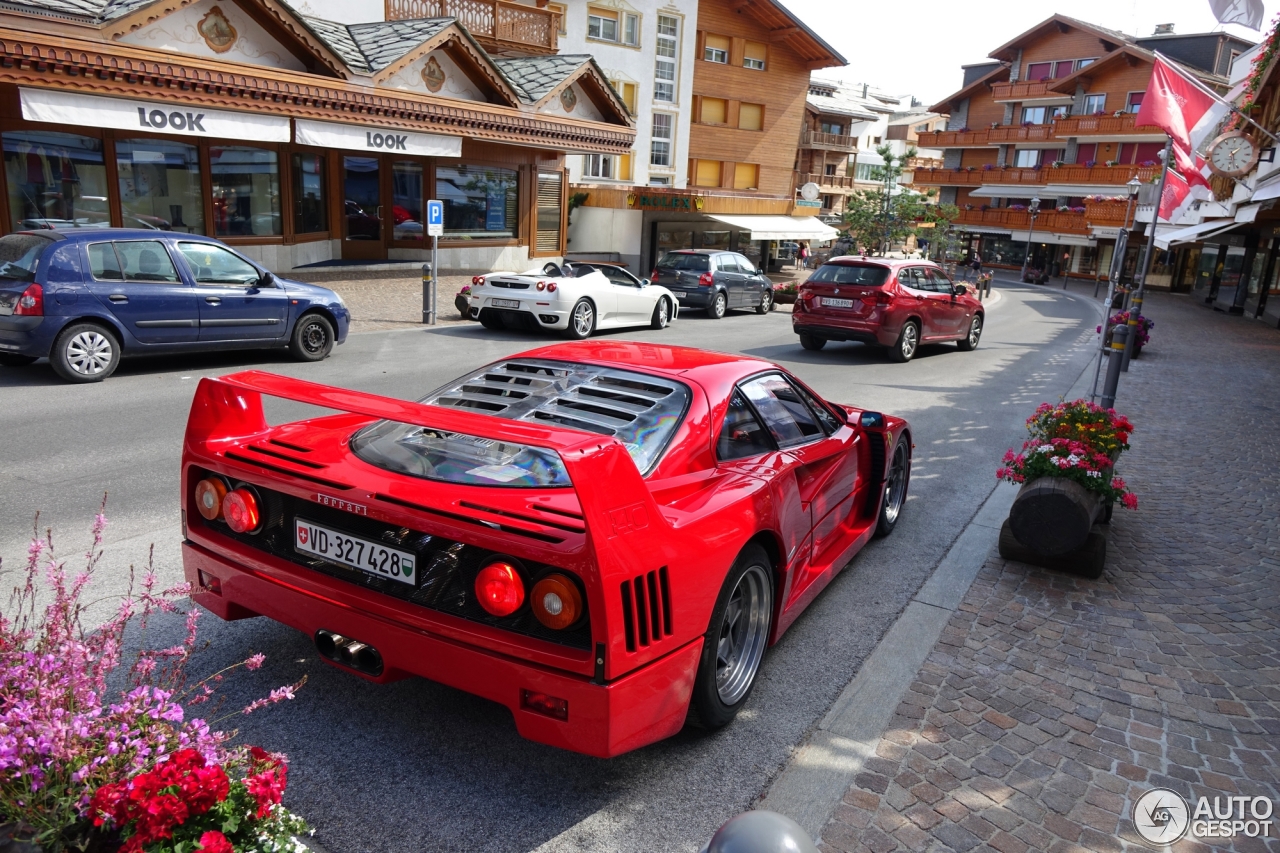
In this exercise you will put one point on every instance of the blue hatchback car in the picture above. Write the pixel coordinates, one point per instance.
(86, 297)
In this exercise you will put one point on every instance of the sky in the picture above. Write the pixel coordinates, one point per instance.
(917, 47)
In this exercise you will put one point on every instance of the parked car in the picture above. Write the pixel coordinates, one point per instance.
(576, 298)
(714, 281)
(602, 536)
(898, 304)
(85, 297)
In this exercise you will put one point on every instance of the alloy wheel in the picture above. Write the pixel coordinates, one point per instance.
(89, 353)
(743, 634)
(910, 340)
(583, 318)
(663, 313)
(895, 486)
(975, 331)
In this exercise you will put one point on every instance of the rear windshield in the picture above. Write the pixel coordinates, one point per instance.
(19, 254)
(685, 261)
(639, 410)
(871, 275)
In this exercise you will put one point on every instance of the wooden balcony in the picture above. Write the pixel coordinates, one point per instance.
(1108, 125)
(833, 182)
(1049, 221)
(1021, 133)
(953, 139)
(1021, 91)
(828, 141)
(1116, 176)
(498, 25)
(1107, 213)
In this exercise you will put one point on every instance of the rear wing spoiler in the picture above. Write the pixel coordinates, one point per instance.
(616, 502)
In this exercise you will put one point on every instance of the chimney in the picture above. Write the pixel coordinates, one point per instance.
(1163, 30)
(864, 89)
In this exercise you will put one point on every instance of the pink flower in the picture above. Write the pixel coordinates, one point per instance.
(254, 662)
(1130, 500)
(215, 842)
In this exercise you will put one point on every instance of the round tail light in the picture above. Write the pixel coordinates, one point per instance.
(556, 602)
(240, 507)
(551, 287)
(209, 495)
(499, 589)
(542, 285)
(475, 279)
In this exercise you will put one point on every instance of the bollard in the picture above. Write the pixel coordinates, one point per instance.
(760, 832)
(428, 296)
(1118, 337)
(1135, 314)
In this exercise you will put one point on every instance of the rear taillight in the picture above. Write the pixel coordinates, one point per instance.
(210, 493)
(551, 287)
(499, 589)
(542, 703)
(556, 602)
(477, 279)
(653, 276)
(542, 285)
(884, 297)
(31, 302)
(240, 509)
(706, 280)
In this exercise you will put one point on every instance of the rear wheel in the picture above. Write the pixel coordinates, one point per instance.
(719, 306)
(766, 302)
(582, 321)
(812, 342)
(970, 342)
(895, 487)
(312, 338)
(735, 641)
(85, 352)
(908, 342)
(10, 359)
(661, 314)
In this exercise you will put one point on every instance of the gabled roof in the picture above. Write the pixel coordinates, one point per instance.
(1008, 51)
(945, 106)
(839, 104)
(538, 79)
(1133, 55)
(788, 30)
(383, 42)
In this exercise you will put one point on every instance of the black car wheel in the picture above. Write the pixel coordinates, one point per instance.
(719, 306)
(312, 338)
(85, 352)
(812, 342)
(970, 342)
(11, 359)
(895, 487)
(661, 314)
(582, 320)
(766, 302)
(907, 344)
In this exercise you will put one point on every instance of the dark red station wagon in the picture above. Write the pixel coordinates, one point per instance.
(898, 304)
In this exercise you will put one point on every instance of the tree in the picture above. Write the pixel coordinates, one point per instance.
(876, 219)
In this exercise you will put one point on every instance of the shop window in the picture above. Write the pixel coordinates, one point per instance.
(751, 116)
(716, 49)
(160, 185)
(714, 240)
(746, 176)
(1095, 104)
(246, 191)
(550, 191)
(479, 202)
(55, 180)
(708, 174)
(602, 25)
(406, 200)
(309, 215)
(660, 143)
(713, 110)
(753, 55)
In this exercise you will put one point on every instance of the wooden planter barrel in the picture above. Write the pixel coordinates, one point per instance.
(1053, 515)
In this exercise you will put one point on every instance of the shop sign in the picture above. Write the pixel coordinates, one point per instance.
(375, 139)
(76, 110)
(664, 201)
(800, 202)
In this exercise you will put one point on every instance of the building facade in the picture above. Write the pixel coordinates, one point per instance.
(298, 139)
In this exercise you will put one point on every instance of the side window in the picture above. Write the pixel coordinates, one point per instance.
(744, 265)
(939, 280)
(785, 413)
(146, 260)
(828, 420)
(215, 265)
(618, 277)
(742, 434)
(906, 279)
(103, 263)
(726, 263)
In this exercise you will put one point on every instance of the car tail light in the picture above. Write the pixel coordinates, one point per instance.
(477, 279)
(210, 493)
(542, 285)
(541, 703)
(556, 602)
(31, 302)
(706, 280)
(209, 582)
(884, 297)
(551, 287)
(499, 589)
(653, 276)
(240, 507)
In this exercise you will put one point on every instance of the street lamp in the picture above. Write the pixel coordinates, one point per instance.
(1122, 244)
(1035, 211)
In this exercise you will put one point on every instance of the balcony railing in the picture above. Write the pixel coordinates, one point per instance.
(1021, 133)
(494, 23)
(1100, 125)
(1060, 129)
(1104, 175)
(952, 139)
(1021, 90)
(839, 182)
(1049, 221)
(1107, 213)
(819, 139)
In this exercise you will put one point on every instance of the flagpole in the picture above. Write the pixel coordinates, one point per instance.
(1135, 308)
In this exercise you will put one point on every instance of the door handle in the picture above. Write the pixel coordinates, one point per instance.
(118, 297)
(213, 300)
(919, 297)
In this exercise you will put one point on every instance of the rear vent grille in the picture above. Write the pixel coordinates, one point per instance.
(875, 445)
(646, 609)
(265, 451)
(280, 469)
(510, 285)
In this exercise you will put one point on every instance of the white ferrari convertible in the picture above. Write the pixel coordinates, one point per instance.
(574, 297)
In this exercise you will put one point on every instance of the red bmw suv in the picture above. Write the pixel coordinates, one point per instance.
(898, 304)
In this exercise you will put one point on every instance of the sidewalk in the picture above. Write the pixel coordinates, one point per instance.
(1050, 703)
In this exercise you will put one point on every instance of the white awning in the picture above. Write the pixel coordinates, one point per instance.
(1050, 239)
(183, 119)
(1203, 231)
(1268, 191)
(780, 227)
(1069, 190)
(374, 139)
(871, 157)
(1006, 191)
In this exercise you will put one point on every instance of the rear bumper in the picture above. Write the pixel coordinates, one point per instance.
(604, 720)
(699, 298)
(810, 325)
(31, 336)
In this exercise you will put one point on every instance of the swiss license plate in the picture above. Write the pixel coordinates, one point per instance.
(505, 303)
(830, 302)
(338, 547)
(679, 293)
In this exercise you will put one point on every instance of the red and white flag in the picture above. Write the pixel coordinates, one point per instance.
(1181, 106)
(1179, 196)
(1192, 166)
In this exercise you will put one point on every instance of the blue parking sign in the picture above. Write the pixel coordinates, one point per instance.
(435, 218)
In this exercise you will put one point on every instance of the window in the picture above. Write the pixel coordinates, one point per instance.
(784, 412)
(708, 173)
(1039, 70)
(549, 212)
(561, 10)
(742, 434)
(914, 278)
(103, 263)
(1027, 158)
(406, 200)
(602, 25)
(631, 30)
(1063, 68)
(659, 181)
(146, 260)
(215, 265)
(627, 92)
(875, 140)
(479, 201)
(309, 214)
(829, 202)
(751, 116)
(664, 68)
(246, 191)
(1083, 63)
(622, 167)
(607, 166)
(727, 263)
(716, 49)
(1033, 115)
(829, 169)
(832, 127)
(713, 110)
(660, 143)
(1134, 103)
(160, 185)
(866, 172)
(1095, 104)
(753, 55)
(921, 128)
(56, 180)
(746, 176)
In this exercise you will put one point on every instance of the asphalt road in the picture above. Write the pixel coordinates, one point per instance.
(415, 766)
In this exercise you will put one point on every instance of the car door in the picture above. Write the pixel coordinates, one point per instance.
(754, 282)
(136, 281)
(634, 305)
(235, 303)
(728, 274)
(914, 287)
(951, 312)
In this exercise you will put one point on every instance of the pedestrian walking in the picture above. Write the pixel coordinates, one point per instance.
(803, 255)
(975, 264)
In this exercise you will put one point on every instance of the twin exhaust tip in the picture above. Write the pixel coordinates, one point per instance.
(348, 652)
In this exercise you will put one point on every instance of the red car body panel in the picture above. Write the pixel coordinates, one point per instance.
(651, 552)
(879, 312)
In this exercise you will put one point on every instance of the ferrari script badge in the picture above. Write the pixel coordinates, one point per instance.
(339, 503)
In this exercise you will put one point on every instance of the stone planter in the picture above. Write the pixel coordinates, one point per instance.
(463, 305)
(781, 297)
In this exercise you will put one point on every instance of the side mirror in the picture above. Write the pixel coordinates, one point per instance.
(958, 290)
(267, 280)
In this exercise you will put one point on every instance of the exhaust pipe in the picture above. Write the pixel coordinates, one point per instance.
(350, 653)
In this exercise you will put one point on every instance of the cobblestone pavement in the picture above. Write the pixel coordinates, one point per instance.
(1051, 702)
(396, 303)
